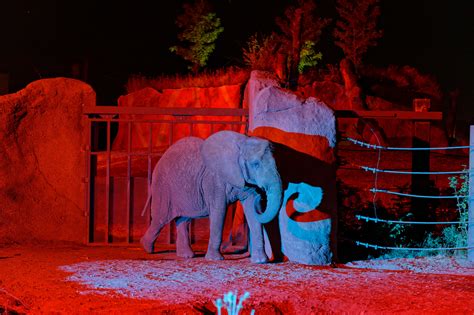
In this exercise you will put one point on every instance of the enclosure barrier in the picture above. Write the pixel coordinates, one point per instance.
(470, 196)
(102, 122)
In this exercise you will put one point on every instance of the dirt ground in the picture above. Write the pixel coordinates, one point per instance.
(73, 279)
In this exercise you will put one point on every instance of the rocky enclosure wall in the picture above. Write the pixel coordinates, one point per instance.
(228, 96)
(42, 162)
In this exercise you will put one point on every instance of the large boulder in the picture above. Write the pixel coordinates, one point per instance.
(42, 162)
(304, 135)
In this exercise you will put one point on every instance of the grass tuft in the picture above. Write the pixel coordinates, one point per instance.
(220, 77)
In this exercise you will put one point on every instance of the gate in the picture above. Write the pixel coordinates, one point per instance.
(123, 146)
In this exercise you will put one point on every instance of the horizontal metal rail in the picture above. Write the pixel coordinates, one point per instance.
(174, 122)
(189, 111)
(172, 111)
(389, 114)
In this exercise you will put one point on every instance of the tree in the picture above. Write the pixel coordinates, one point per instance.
(200, 29)
(298, 27)
(356, 30)
(308, 56)
(261, 52)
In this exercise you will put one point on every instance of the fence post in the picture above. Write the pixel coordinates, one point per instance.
(470, 228)
(420, 183)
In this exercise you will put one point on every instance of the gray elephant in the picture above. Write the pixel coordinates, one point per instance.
(197, 178)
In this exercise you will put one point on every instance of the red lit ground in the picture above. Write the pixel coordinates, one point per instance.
(73, 279)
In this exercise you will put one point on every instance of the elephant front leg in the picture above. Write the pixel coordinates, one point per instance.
(257, 254)
(183, 242)
(216, 225)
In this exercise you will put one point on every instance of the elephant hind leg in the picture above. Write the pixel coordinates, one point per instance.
(148, 240)
(183, 241)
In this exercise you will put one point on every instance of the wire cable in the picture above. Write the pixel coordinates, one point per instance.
(376, 220)
(415, 196)
(376, 247)
(379, 147)
(377, 170)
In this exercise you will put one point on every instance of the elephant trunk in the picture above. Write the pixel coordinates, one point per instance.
(274, 199)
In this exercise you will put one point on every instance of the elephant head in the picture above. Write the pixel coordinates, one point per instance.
(239, 160)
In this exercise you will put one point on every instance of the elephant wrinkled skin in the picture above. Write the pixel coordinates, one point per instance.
(197, 178)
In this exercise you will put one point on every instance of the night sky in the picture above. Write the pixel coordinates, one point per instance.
(41, 39)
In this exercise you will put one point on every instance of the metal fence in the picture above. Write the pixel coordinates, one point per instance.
(123, 146)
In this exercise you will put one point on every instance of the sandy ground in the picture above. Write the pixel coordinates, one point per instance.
(72, 279)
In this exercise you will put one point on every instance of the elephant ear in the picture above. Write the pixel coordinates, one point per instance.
(220, 153)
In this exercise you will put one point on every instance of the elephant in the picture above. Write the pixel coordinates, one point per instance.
(197, 178)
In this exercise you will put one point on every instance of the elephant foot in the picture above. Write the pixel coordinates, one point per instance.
(214, 256)
(147, 246)
(259, 258)
(185, 253)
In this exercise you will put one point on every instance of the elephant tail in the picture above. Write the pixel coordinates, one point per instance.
(147, 202)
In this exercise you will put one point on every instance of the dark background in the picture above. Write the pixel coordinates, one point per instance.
(43, 38)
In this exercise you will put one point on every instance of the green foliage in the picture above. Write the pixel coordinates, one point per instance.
(398, 233)
(451, 236)
(200, 29)
(308, 56)
(298, 25)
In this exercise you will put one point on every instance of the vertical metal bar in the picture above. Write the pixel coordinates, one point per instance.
(129, 176)
(470, 228)
(212, 128)
(107, 185)
(150, 142)
(191, 125)
(420, 163)
(170, 230)
(170, 140)
(87, 181)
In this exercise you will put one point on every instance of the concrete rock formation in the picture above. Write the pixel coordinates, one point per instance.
(304, 135)
(41, 165)
(228, 96)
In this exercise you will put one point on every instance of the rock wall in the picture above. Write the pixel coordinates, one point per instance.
(388, 131)
(41, 165)
(304, 135)
(214, 97)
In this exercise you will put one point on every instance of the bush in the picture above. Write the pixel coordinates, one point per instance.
(261, 51)
(450, 237)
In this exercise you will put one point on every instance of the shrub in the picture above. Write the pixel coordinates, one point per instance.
(261, 51)
(308, 56)
(450, 236)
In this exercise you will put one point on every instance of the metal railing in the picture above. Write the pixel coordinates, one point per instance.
(121, 124)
